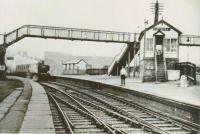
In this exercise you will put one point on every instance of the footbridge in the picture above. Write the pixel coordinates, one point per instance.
(190, 40)
(68, 34)
(48, 32)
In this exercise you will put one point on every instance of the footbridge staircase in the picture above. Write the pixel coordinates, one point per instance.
(124, 58)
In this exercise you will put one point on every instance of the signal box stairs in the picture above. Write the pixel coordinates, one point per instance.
(161, 74)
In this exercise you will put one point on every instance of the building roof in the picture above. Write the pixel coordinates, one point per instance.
(74, 61)
(159, 22)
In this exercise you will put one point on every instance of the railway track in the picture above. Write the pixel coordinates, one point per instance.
(143, 118)
(88, 118)
(73, 120)
(58, 117)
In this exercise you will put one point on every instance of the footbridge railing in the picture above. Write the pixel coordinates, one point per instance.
(190, 40)
(68, 33)
(81, 34)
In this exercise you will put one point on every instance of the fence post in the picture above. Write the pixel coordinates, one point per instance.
(195, 80)
(187, 70)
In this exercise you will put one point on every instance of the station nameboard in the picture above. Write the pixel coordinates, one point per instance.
(10, 58)
(161, 29)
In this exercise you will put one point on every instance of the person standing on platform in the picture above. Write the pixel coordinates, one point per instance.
(123, 74)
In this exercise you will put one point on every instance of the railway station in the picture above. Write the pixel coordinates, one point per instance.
(161, 93)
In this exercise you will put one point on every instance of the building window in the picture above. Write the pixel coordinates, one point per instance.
(173, 45)
(170, 45)
(167, 45)
(149, 44)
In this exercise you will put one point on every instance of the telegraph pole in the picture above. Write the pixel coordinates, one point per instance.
(157, 8)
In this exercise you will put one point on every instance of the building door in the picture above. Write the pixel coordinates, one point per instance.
(159, 46)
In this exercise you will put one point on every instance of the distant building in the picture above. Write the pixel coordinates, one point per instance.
(97, 71)
(55, 61)
(75, 67)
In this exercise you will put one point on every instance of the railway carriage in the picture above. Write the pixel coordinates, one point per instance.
(97, 71)
(36, 71)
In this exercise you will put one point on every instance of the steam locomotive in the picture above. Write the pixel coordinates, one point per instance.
(36, 71)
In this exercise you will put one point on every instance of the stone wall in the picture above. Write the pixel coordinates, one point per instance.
(148, 70)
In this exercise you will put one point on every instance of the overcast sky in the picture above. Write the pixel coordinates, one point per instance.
(117, 15)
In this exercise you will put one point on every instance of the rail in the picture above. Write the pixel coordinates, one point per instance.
(104, 125)
(65, 118)
(133, 118)
(123, 113)
(69, 34)
(183, 123)
(186, 125)
(146, 100)
(188, 69)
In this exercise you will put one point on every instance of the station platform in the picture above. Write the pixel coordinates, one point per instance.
(38, 117)
(170, 90)
(26, 110)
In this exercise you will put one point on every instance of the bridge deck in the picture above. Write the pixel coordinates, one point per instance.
(82, 34)
(69, 33)
(190, 40)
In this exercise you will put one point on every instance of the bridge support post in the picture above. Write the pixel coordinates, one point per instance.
(129, 61)
(130, 57)
(2, 63)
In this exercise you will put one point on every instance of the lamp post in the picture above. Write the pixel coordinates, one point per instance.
(189, 41)
(145, 24)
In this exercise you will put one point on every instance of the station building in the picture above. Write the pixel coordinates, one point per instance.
(75, 67)
(159, 51)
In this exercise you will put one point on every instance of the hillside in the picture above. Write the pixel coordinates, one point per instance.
(55, 60)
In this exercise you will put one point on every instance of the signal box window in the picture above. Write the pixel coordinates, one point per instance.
(167, 45)
(149, 44)
(170, 45)
(173, 45)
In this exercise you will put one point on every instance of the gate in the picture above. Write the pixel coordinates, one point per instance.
(188, 69)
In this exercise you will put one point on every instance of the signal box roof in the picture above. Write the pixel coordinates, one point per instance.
(159, 22)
